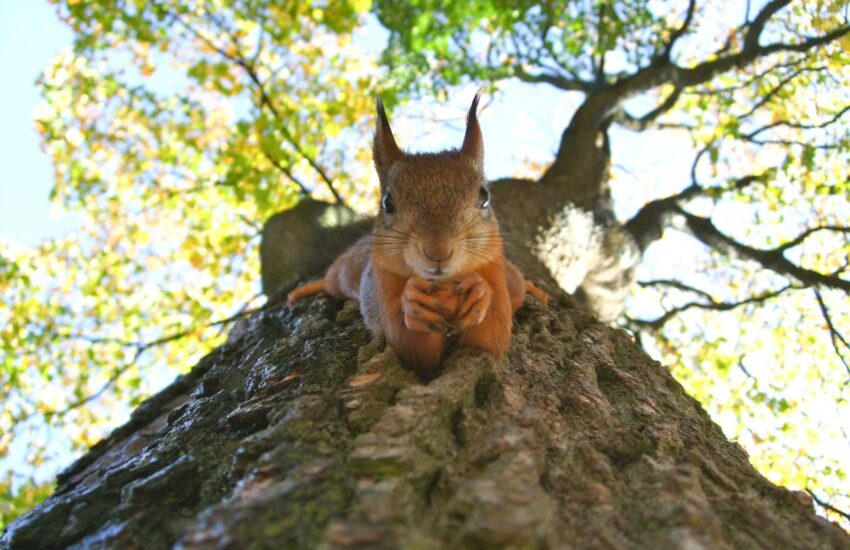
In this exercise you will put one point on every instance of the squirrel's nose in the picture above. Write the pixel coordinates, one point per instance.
(437, 253)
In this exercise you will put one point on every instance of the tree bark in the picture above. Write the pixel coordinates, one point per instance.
(301, 431)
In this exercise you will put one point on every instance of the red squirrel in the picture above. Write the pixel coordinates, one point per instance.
(433, 267)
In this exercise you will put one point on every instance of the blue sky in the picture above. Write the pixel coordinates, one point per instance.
(30, 35)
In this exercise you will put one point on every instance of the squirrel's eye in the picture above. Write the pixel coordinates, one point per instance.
(483, 197)
(387, 204)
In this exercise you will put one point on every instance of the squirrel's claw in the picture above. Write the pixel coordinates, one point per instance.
(476, 302)
(422, 312)
(413, 294)
(420, 319)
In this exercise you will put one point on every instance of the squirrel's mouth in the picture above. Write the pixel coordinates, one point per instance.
(429, 269)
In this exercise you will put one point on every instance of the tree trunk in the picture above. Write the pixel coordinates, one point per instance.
(301, 432)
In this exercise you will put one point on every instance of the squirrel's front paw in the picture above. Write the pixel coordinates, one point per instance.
(422, 311)
(477, 296)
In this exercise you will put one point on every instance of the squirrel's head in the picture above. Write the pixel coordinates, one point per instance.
(435, 218)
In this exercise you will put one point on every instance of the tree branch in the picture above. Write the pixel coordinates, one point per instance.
(797, 126)
(599, 66)
(601, 106)
(768, 97)
(708, 70)
(639, 124)
(266, 100)
(751, 79)
(712, 304)
(665, 71)
(286, 171)
(140, 348)
(558, 81)
(647, 226)
(772, 259)
(680, 32)
(805, 234)
(827, 505)
(678, 285)
(751, 40)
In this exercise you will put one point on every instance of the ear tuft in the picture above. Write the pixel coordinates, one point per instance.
(385, 152)
(473, 143)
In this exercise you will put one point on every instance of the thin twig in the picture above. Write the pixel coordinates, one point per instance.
(712, 304)
(827, 505)
(834, 335)
(141, 348)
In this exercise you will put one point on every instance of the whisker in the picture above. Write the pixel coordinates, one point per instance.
(390, 237)
(490, 244)
(469, 225)
(475, 239)
(408, 235)
(483, 240)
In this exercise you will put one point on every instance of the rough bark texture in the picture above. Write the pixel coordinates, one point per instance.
(301, 432)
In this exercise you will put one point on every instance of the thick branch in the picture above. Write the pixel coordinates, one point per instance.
(639, 124)
(751, 41)
(664, 71)
(588, 125)
(751, 79)
(708, 70)
(772, 259)
(560, 82)
(647, 226)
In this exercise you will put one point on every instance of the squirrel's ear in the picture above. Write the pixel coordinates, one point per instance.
(473, 143)
(385, 152)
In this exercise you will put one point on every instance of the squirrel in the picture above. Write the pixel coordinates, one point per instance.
(433, 268)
